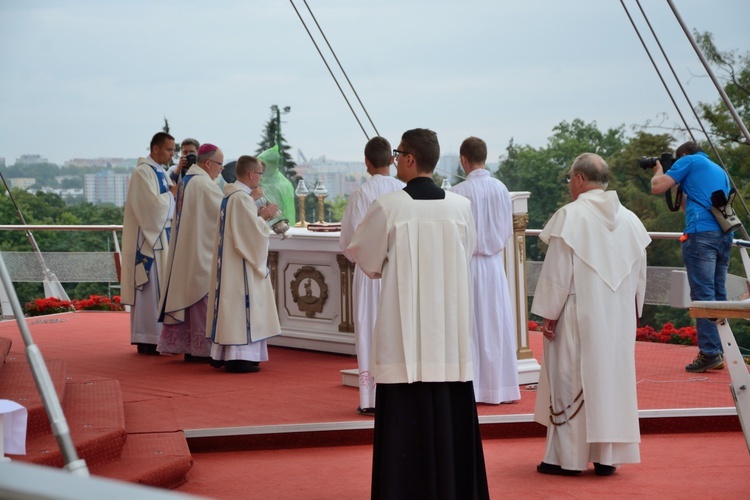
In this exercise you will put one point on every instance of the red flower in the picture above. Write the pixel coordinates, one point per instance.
(686, 335)
(51, 305)
(533, 326)
(54, 305)
(99, 303)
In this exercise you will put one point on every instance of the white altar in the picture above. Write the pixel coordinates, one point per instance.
(313, 283)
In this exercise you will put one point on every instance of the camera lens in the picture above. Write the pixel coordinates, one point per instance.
(646, 162)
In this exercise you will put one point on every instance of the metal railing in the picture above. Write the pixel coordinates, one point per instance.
(71, 267)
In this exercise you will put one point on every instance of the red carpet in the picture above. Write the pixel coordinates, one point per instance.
(163, 395)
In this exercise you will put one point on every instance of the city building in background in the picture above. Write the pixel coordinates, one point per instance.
(21, 182)
(101, 162)
(31, 160)
(106, 187)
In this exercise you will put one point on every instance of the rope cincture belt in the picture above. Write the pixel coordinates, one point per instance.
(554, 414)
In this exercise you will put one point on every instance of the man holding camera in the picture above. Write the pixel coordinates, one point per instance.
(188, 157)
(705, 246)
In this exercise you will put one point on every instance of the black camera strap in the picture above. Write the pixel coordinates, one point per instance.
(674, 207)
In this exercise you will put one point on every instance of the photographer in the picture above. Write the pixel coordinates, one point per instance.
(188, 156)
(705, 247)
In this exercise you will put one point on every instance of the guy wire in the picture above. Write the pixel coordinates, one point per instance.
(679, 83)
(329, 69)
(724, 97)
(687, 128)
(656, 68)
(341, 67)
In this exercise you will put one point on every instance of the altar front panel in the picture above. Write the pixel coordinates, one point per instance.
(312, 281)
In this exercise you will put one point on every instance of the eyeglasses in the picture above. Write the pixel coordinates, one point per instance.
(397, 153)
(217, 162)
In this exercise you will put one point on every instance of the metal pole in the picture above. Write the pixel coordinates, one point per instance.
(44, 383)
(717, 84)
(52, 286)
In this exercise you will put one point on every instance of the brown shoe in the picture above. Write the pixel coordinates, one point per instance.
(702, 363)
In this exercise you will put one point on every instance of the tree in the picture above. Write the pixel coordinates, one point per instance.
(734, 69)
(524, 168)
(338, 207)
(72, 183)
(48, 208)
(271, 135)
(176, 155)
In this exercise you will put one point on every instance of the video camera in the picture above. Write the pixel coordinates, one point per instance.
(666, 160)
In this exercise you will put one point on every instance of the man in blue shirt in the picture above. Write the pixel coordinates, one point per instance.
(705, 247)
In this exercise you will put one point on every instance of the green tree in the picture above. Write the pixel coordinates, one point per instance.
(271, 135)
(46, 208)
(72, 183)
(734, 69)
(542, 171)
(338, 207)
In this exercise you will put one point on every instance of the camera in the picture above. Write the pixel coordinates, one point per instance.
(666, 160)
(191, 158)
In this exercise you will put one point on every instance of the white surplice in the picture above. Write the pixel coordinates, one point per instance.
(148, 212)
(366, 291)
(187, 275)
(494, 333)
(593, 282)
(423, 327)
(241, 302)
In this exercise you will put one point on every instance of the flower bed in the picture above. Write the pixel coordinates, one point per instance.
(99, 303)
(53, 305)
(686, 335)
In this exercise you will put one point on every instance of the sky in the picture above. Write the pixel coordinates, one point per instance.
(88, 79)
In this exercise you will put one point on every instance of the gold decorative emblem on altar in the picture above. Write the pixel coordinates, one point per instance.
(314, 292)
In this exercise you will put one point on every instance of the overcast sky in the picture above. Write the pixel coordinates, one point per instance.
(90, 78)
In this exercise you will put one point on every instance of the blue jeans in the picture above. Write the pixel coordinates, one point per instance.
(706, 258)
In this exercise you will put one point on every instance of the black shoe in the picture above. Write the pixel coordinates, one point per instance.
(555, 470)
(217, 363)
(701, 363)
(604, 470)
(370, 412)
(242, 366)
(189, 358)
(147, 349)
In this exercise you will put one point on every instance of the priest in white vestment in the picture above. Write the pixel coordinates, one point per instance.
(420, 240)
(493, 345)
(241, 304)
(149, 206)
(366, 291)
(184, 297)
(590, 293)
